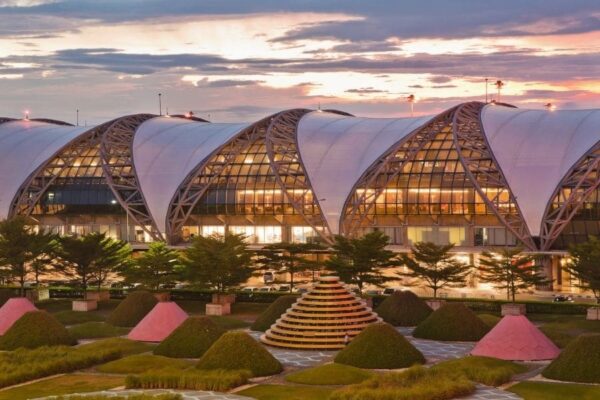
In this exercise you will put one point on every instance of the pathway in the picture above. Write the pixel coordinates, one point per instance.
(186, 395)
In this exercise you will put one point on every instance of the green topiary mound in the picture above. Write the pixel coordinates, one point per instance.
(36, 329)
(236, 350)
(578, 362)
(191, 339)
(452, 322)
(133, 309)
(273, 312)
(380, 346)
(403, 309)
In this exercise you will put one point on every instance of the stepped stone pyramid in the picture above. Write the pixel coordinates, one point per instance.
(325, 318)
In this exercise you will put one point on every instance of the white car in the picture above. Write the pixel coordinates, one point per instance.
(249, 289)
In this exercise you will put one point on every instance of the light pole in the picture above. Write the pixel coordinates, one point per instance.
(499, 84)
(411, 99)
(486, 90)
(78, 117)
(160, 104)
(550, 106)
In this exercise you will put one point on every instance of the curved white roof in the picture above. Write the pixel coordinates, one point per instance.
(166, 150)
(336, 150)
(24, 146)
(535, 149)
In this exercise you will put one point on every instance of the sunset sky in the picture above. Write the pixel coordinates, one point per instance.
(240, 60)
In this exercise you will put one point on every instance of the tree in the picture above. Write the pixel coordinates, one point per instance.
(289, 258)
(435, 265)
(585, 265)
(362, 260)
(157, 266)
(21, 247)
(219, 261)
(92, 256)
(511, 270)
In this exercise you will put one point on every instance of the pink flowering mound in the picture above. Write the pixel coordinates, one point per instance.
(12, 310)
(159, 323)
(515, 338)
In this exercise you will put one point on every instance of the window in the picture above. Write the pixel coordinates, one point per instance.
(438, 234)
(303, 234)
(268, 234)
(208, 230)
(493, 236)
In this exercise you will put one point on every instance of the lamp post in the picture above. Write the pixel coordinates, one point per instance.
(160, 104)
(499, 84)
(78, 117)
(486, 90)
(411, 99)
(550, 106)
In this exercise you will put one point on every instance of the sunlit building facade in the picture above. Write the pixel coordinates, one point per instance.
(477, 175)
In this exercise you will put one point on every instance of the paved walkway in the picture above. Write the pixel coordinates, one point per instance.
(491, 393)
(186, 395)
(434, 350)
(297, 358)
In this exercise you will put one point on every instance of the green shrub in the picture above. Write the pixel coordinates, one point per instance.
(133, 309)
(380, 346)
(489, 319)
(95, 330)
(578, 362)
(217, 380)
(329, 374)
(138, 363)
(165, 396)
(191, 339)
(486, 370)
(403, 309)
(271, 314)
(416, 383)
(5, 294)
(452, 322)
(69, 317)
(125, 347)
(236, 350)
(229, 323)
(35, 329)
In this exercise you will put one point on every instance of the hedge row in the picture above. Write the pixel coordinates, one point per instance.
(192, 379)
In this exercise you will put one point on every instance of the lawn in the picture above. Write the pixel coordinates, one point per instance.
(63, 385)
(555, 391)
(485, 370)
(329, 374)
(139, 363)
(562, 329)
(229, 323)
(278, 392)
(96, 330)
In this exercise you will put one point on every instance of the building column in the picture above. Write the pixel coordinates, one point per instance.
(545, 261)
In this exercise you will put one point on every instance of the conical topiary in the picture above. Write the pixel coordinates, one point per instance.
(35, 329)
(191, 339)
(273, 312)
(403, 309)
(452, 322)
(238, 351)
(132, 309)
(578, 362)
(380, 346)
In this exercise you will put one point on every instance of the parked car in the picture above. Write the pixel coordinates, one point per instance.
(389, 291)
(284, 288)
(249, 289)
(373, 292)
(560, 298)
(265, 289)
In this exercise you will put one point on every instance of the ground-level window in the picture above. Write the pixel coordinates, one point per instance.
(208, 230)
(438, 234)
(303, 234)
(493, 236)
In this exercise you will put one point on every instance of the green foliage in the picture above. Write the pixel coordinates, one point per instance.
(191, 339)
(157, 266)
(279, 392)
(510, 270)
(380, 346)
(435, 266)
(271, 314)
(166, 396)
(24, 365)
(216, 380)
(69, 317)
(329, 374)
(578, 362)
(489, 319)
(403, 309)
(452, 322)
(62, 385)
(585, 265)
(139, 363)
(35, 329)
(217, 261)
(416, 383)
(236, 350)
(555, 391)
(95, 330)
(361, 261)
(132, 309)
(289, 258)
(485, 370)
(229, 323)
(563, 330)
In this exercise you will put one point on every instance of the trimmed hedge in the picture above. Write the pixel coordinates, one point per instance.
(217, 380)
(237, 350)
(578, 362)
(403, 309)
(166, 396)
(452, 322)
(329, 374)
(191, 339)
(133, 309)
(140, 363)
(485, 370)
(273, 312)
(35, 329)
(380, 346)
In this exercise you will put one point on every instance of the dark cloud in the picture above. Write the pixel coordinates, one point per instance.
(440, 79)
(232, 82)
(443, 86)
(367, 90)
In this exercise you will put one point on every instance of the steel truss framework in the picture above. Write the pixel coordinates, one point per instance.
(116, 153)
(483, 170)
(195, 185)
(33, 189)
(286, 162)
(582, 180)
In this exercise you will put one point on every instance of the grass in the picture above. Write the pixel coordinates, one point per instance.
(229, 323)
(191, 339)
(578, 362)
(486, 370)
(61, 385)
(403, 309)
(278, 392)
(96, 330)
(166, 396)
(193, 379)
(329, 374)
(555, 391)
(562, 330)
(36, 329)
(452, 322)
(139, 363)
(132, 309)
(70, 317)
(489, 319)
(273, 312)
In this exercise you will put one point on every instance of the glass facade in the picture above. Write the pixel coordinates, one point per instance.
(584, 223)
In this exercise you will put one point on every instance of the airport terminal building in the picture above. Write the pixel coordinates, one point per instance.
(477, 175)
